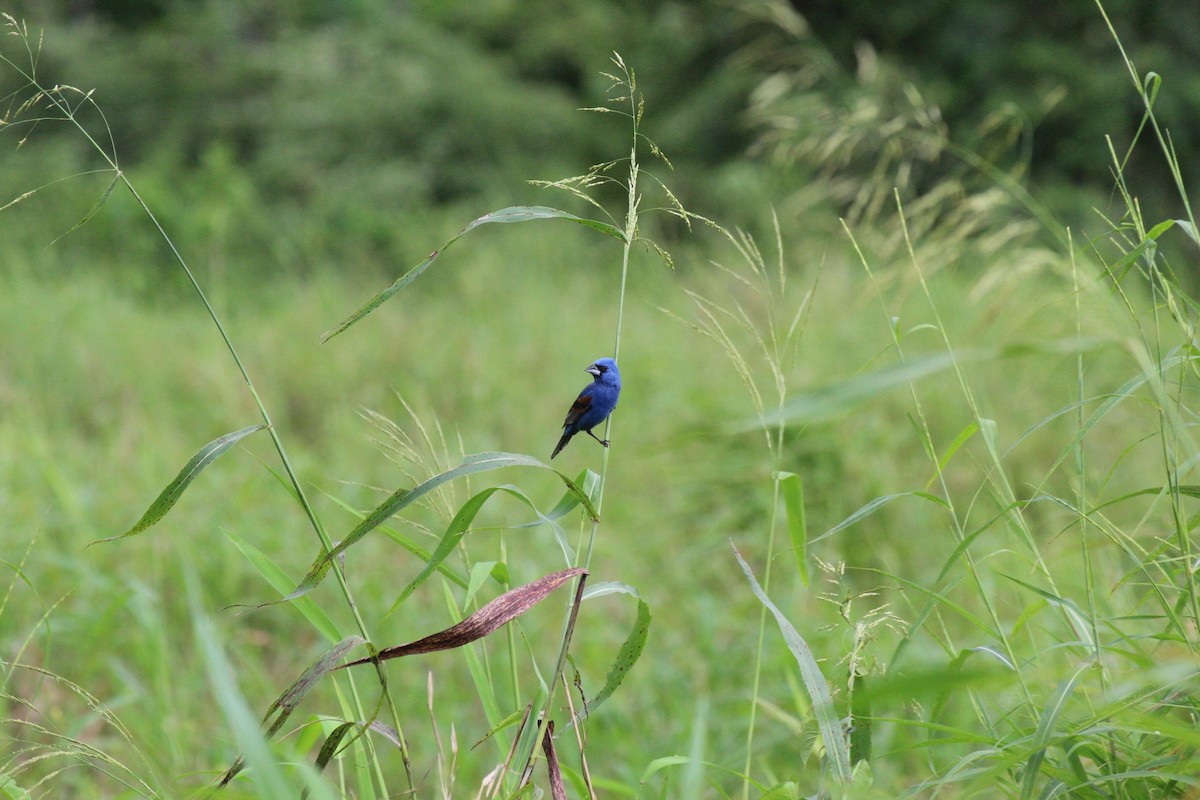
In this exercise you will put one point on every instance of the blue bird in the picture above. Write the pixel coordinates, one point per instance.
(594, 404)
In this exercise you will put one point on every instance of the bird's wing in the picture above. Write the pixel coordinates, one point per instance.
(578, 408)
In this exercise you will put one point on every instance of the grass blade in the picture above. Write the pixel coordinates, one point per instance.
(458, 528)
(280, 581)
(510, 214)
(170, 495)
(837, 750)
(1045, 731)
(871, 506)
(793, 501)
(287, 702)
(93, 210)
(401, 498)
(333, 744)
(631, 648)
(835, 400)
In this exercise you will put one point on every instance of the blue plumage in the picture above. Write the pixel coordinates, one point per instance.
(594, 404)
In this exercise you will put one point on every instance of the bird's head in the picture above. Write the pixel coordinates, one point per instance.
(605, 370)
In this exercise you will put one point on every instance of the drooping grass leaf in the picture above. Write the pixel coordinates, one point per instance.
(495, 614)
(1189, 229)
(566, 503)
(631, 648)
(93, 210)
(270, 778)
(837, 749)
(1124, 392)
(510, 214)
(1078, 617)
(332, 744)
(401, 498)
(170, 495)
(387, 732)
(1188, 490)
(871, 506)
(287, 702)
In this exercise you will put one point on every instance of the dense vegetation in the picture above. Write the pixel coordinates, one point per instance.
(933, 379)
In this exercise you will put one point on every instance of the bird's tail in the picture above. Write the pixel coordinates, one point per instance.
(566, 437)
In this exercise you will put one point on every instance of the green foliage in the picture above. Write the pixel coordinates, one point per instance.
(1048, 69)
(953, 438)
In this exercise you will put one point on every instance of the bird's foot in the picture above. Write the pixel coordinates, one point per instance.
(605, 442)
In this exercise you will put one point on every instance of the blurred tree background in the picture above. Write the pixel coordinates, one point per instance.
(337, 127)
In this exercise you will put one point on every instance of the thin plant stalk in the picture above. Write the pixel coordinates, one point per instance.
(630, 234)
(756, 675)
(55, 98)
(960, 534)
(775, 357)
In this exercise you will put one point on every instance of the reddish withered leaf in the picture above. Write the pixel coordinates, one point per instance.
(495, 614)
(558, 790)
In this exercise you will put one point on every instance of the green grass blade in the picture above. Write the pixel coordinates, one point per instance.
(1078, 617)
(269, 777)
(170, 495)
(280, 582)
(565, 505)
(333, 743)
(93, 210)
(404, 541)
(1045, 731)
(1125, 392)
(504, 215)
(828, 402)
(792, 488)
(484, 681)
(860, 720)
(631, 648)
(287, 702)
(450, 539)
(401, 498)
(871, 506)
(458, 528)
(837, 750)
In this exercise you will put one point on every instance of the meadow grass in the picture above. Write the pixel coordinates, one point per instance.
(997, 576)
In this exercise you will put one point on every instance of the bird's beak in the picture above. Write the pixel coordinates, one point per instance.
(594, 370)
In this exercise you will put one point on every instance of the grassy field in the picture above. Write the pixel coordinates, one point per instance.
(994, 569)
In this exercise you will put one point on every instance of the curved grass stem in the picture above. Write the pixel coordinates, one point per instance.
(69, 112)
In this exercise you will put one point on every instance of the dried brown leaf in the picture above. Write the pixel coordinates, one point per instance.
(495, 614)
(558, 790)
